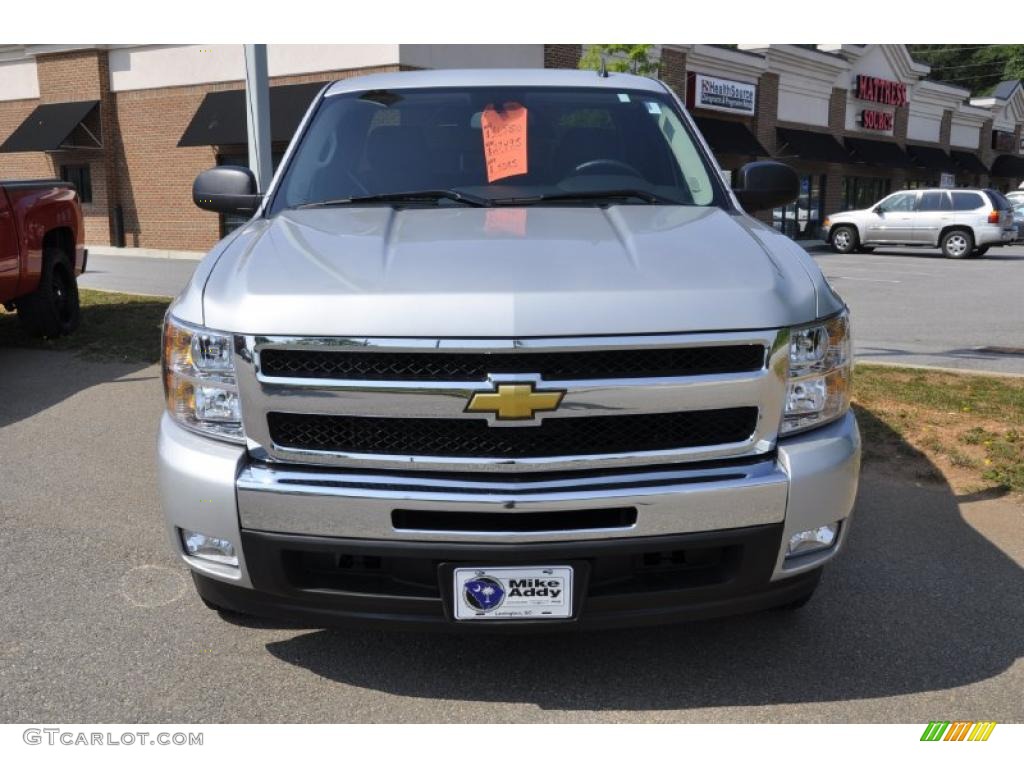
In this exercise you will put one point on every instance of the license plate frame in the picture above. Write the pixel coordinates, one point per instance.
(529, 581)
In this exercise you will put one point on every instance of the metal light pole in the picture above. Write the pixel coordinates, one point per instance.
(257, 114)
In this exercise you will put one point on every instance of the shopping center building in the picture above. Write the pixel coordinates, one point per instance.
(132, 125)
(855, 121)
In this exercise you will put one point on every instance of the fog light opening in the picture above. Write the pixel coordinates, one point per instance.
(812, 540)
(209, 548)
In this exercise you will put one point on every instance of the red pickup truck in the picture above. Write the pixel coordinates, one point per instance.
(41, 254)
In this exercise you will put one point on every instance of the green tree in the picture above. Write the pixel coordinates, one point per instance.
(621, 57)
(976, 67)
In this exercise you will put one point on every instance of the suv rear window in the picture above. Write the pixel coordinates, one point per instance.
(999, 202)
(552, 142)
(967, 201)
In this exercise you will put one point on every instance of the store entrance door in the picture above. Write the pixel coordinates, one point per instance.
(801, 220)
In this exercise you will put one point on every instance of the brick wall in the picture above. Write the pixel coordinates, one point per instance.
(767, 117)
(562, 56)
(155, 175)
(140, 166)
(72, 76)
(837, 110)
(21, 165)
(63, 77)
(672, 70)
(833, 198)
(985, 151)
(946, 127)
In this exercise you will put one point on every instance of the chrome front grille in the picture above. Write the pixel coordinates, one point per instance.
(468, 438)
(477, 366)
(628, 402)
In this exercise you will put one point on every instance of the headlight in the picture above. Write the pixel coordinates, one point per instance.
(820, 374)
(199, 380)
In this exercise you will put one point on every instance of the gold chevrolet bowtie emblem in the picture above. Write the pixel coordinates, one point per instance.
(515, 401)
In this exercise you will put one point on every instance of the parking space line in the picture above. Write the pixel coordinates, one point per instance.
(861, 279)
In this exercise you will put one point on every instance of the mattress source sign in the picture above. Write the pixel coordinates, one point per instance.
(880, 91)
(723, 95)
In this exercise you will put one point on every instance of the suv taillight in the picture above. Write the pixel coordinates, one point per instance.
(993, 217)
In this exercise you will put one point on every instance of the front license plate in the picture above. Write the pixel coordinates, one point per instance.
(541, 592)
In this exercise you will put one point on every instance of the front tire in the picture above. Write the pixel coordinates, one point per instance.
(53, 309)
(844, 239)
(980, 251)
(957, 244)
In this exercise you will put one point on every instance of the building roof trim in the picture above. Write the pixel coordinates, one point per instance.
(967, 114)
(940, 93)
(794, 58)
(899, 57)
(712, 60)
(1006, 104)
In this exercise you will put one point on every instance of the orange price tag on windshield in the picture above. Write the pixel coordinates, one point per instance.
(504, 140)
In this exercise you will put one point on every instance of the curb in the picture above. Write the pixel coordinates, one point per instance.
(937, 368)
(144, 253)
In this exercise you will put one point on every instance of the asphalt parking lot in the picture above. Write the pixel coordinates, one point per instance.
(919, 619)
(910, 306)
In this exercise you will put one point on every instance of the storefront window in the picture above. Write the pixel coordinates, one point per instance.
(801, 220)
(863, 191)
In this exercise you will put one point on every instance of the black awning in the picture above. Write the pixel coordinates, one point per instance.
(931, 158)
(810, 145)
(48, 127)
(729, 137)
(1008, 166)
(968, 161)
(220, 118)
(884, 153)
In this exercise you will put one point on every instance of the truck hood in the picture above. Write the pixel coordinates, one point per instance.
(509, 272)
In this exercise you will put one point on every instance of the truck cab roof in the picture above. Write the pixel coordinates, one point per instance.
(472, 78)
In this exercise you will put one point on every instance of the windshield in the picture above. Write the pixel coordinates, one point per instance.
(494, 146)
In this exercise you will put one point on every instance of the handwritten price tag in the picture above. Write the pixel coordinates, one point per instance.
(504, 140)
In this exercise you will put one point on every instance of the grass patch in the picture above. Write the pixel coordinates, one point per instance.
(970, 426)
(114, 327)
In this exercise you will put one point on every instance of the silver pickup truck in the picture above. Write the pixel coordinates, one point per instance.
(500, 350)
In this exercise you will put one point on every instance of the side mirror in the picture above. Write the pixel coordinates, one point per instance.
(765, 184)
(226, 189)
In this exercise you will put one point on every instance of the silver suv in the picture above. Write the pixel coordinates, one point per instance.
(962, 222)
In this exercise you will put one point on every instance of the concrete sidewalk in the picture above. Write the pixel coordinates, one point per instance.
(144, 253)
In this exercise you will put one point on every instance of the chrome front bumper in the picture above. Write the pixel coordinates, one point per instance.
(212, 487)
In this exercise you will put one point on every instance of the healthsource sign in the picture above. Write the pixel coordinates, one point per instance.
(723, 95)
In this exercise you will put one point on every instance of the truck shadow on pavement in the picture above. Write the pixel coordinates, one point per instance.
(918, 601)
(118, 336)
(33, 380)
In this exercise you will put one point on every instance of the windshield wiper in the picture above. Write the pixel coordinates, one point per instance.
(424, 195)
(601, 194)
